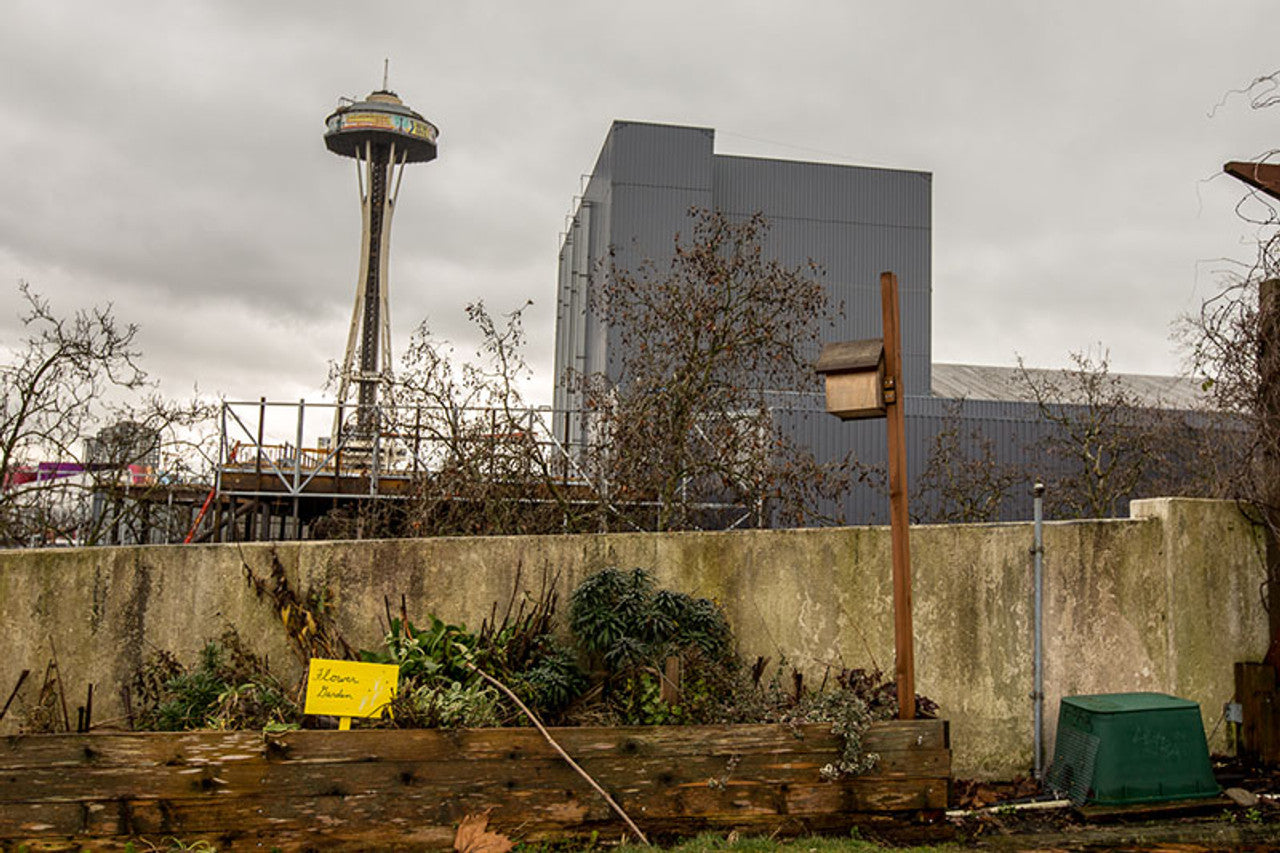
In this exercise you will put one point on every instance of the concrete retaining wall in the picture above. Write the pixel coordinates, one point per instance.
(1164, 601)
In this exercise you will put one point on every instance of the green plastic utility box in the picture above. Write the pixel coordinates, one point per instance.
(1120, 748)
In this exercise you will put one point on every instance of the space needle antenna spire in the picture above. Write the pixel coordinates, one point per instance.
(382, 134)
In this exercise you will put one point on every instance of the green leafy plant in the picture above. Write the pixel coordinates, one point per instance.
(229, 688)
(552, 682)
(450, 705)
(438, 652)
(624, 618)
(630, 629)
(439, 666)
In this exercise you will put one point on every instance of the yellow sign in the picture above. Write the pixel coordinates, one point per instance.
(344, 688)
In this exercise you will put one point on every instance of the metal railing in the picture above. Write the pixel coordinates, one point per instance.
(270, 441)
(288, 451)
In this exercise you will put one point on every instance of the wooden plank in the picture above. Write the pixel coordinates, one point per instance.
(284, 779)
(194, 748)
(1264, 177)
(129, 749)
(327, 789)
(908, 734)
(691, 806)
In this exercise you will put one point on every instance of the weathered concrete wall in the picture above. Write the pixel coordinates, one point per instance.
(1165, 601)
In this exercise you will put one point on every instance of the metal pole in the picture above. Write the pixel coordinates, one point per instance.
(224, 452)
(297, 473)
(904, 653)
(257, 457)
(1037, 694)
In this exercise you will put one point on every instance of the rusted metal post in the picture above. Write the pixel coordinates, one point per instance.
(904, 652)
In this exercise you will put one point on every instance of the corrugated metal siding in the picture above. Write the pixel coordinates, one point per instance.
(661, 155)
(645, 220)
(854, 221)
(1013, 429)
(658, 174)
(825, 192)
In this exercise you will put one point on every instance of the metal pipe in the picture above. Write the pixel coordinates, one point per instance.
(1037, 694)
(297, 474)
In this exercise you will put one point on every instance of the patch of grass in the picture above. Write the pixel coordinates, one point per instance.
(709, 842)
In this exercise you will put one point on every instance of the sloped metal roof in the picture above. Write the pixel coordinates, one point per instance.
(983, 382)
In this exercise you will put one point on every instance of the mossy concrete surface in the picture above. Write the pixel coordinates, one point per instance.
(1165, 601)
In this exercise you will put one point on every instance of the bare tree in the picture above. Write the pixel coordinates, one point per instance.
(1233, 346)
(685, 421)
(69, 377)
(1106, 444)
(963, 481)
(484, 463)
(150, 447)
(685, 432)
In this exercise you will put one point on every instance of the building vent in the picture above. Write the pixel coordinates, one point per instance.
(1119, 748)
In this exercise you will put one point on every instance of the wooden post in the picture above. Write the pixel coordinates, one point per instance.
(904, 653)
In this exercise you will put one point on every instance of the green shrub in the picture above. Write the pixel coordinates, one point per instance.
(629, 629)
(229, 688)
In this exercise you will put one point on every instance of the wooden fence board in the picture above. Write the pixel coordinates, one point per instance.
(327, 789)
(259, 777)
(134, 748)
(526, 808)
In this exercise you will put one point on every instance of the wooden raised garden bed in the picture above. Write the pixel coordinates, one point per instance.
(408, 789)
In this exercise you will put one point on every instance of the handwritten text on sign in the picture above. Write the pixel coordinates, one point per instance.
(343, 688)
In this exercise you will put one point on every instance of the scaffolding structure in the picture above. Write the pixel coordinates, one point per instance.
(280, 470)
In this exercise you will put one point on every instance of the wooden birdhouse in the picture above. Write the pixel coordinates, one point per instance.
(854, 373)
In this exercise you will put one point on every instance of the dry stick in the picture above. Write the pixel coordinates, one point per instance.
(538, 723)
(21, 678)
(62, 696)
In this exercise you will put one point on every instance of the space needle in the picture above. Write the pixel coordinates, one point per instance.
(382, 135)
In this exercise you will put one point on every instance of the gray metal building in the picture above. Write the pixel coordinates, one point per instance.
(854, 221)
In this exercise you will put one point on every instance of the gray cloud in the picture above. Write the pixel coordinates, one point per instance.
(168, 157)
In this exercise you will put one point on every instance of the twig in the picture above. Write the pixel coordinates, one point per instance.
(538, 723)
(1018, 807)
(62, 696)
(21, 678)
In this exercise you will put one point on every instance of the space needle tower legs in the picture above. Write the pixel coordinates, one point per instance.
(382, 135)
(377, 168)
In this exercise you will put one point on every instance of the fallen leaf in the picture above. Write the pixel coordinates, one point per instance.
(474, 837)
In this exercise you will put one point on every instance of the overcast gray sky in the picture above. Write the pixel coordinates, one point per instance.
(168, 157)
